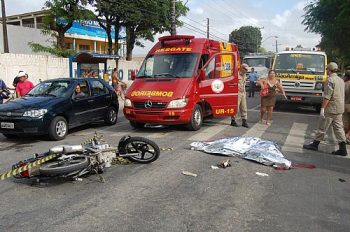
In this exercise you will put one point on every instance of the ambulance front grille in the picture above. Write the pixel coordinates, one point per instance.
(149, 105)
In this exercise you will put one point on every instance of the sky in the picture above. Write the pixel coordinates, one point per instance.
(276, 18)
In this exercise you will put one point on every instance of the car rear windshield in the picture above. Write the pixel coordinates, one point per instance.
(51, 88)
(169, 65)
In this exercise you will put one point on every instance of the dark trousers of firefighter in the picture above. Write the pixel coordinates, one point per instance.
(336, 120)
(251, 88)
(242, 105)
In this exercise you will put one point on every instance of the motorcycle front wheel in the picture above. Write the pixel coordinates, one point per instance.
(65, 167)
(141, 150)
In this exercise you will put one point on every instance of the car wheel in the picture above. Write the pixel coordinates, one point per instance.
(196, 119)
(111, 116)
(58, 128)
(137, 125)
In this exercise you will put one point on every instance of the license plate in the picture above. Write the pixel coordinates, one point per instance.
(296, 98)
(7, 125)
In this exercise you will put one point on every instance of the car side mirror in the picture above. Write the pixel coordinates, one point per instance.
(133, 75)
(201, 76)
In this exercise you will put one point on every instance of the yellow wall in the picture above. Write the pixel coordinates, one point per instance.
(101, 47)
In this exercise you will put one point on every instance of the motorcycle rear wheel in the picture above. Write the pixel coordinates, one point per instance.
(147, 149)
(58, 168)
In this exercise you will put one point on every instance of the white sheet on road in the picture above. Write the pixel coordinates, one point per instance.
(251, 148)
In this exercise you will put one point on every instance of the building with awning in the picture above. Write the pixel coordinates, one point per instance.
(83, 36)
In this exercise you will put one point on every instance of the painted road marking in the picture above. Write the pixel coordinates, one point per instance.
(295, 138)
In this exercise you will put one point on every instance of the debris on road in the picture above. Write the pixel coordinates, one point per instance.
(166, 149)
(214, 167)
(341, 180)
(261, 174)
(225, 164)
(251, 148)
(189, 173)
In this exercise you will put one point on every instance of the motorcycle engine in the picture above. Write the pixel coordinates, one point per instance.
(105, 156)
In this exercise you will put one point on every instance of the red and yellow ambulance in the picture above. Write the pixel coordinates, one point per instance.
(182, 80)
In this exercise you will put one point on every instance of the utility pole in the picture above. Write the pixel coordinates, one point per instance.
(4, 27)
(207, 28)
(276, 46)
(173, 18)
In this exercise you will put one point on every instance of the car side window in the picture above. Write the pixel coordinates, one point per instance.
(97, 88)
(81, 90)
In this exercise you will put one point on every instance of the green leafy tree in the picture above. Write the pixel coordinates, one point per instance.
(59, 18)
(146, 18)
(330, 18)
(247, 38)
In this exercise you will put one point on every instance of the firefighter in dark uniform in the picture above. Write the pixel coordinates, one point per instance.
(331, 111)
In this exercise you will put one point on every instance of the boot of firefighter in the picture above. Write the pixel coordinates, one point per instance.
(342, 150)
(244, 123)
(312, 146)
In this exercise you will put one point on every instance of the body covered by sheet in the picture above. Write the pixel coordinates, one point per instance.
(251, 148)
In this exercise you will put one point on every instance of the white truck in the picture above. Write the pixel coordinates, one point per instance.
(260, 62)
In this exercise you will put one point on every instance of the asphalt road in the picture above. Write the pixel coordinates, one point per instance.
(158, 197)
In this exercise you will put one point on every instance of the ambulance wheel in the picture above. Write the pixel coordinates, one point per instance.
(137, 125)
(196, 119)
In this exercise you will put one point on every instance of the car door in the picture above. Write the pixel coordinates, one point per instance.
(220, 86)
(101, 99)
(81, 104)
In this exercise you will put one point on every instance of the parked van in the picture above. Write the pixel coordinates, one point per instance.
(182, 80)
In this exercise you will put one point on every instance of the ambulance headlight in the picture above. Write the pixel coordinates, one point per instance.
(127, 103)
(179, 103)
(319, 86)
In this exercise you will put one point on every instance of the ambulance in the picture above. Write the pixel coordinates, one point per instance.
(302, 72)
(182, 80)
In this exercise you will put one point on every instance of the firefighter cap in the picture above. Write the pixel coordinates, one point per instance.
(245, 66)
(333, 67)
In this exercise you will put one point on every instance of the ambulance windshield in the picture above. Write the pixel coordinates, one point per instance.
(301, 63)
(169, 66)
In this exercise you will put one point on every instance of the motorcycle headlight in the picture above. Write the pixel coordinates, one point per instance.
(35, 113)
(127, 103)
(319, 86)
(180, 103)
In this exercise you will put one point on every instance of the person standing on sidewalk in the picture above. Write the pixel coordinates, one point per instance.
(252, 78)
(332, 111)
(24, 85)
(242, 97)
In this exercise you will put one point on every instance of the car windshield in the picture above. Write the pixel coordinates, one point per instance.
(301, 63)
(257, 62)
(50, 88)
(169, 65)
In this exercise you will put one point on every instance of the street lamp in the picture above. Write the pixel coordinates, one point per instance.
(272, 36)
(257, 39)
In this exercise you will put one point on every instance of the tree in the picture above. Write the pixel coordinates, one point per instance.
(142, 19)
(146, 18)
(330, 18)
(59, 18)
(247, 38)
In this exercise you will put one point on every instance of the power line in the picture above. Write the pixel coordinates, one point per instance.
(205, 25)
(204, 32)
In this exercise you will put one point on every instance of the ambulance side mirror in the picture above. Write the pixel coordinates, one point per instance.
(201, 76)
(133, 75)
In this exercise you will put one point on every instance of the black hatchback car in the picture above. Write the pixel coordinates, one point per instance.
(54, 106)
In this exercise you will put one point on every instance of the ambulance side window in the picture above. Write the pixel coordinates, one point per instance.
(210, 69)
(203, 60)
(220, 67)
